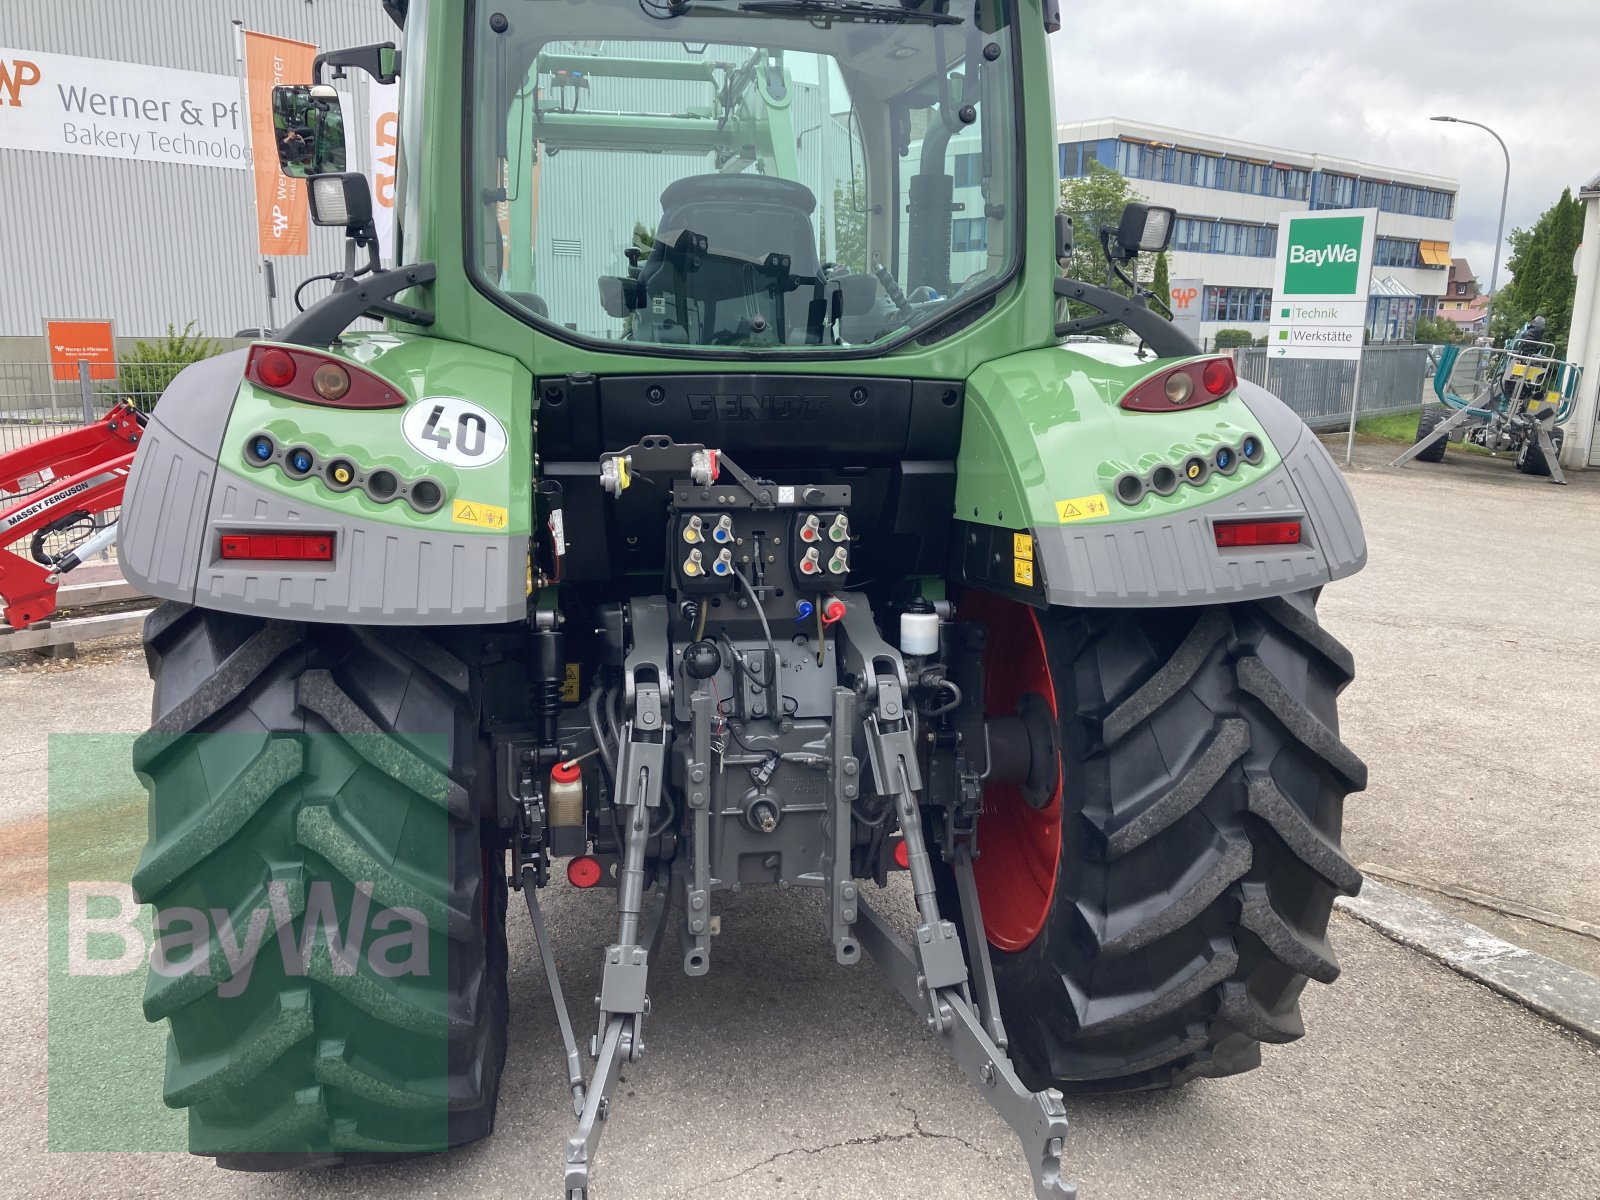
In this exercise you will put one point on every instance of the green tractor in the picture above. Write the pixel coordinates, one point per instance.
(733, 495)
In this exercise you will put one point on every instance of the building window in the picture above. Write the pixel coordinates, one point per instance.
(969, 233)
(1461, 289)
(969, 170)
(1396, 252)
(1069, 160)
(1241, 305)
(1202, 235)
(1345, 191)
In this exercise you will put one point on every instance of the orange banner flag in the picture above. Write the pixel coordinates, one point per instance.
(280, 201)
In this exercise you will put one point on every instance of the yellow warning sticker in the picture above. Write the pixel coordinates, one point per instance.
(485, 516)
(1082, 508)
(569, 685)
(1022, 546)
(1022, 571)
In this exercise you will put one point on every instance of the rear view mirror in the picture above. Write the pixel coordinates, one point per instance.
(1145, 229)
(308, 127)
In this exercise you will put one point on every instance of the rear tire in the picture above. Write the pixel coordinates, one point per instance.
(328, 757)
(1203, 785)
(1530, 458)
(1430, 420)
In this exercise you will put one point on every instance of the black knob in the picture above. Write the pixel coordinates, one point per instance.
(702, 660)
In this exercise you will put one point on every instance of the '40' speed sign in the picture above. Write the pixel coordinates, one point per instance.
(454, 431)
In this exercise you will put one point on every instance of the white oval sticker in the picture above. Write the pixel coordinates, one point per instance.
(454, 431)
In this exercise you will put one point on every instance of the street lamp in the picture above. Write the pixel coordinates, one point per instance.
(1500, 232)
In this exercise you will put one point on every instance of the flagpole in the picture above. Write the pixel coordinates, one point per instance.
(267, 317)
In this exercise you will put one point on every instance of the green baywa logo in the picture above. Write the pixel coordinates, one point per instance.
(1324, 256)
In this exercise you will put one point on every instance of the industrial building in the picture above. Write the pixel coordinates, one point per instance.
(124, 171)
(1230, 194)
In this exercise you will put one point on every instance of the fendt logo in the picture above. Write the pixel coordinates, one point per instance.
(1324, 257)
(15, 75)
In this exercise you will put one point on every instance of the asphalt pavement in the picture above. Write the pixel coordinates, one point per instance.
(783, 1075)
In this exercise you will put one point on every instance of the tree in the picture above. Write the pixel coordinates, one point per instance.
(144, 372)
(1542, 284)
(1092, 201)
(1159, 283)
(1437, 331)
(1228, 339)
(849, 226)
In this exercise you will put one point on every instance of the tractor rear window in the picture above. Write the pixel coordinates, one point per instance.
(776, 177)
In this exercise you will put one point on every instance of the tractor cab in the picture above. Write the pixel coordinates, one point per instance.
(773, 178)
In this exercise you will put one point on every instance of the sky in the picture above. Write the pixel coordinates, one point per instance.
(1359, 78)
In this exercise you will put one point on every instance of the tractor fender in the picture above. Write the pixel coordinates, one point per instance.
(1044, 443)
(190, 486)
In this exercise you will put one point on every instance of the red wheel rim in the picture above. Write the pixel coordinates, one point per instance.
(1019, 846)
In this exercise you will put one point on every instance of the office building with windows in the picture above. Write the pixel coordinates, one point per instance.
(1229, 195)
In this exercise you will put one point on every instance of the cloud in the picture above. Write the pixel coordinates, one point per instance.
(1358, 78)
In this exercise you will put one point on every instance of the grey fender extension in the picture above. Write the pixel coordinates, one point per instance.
(179, 503)
(1174, 560)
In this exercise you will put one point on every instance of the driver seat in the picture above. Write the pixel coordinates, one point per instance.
(729, 254)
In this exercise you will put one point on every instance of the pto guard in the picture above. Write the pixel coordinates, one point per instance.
(190, 485)
(1032, 423)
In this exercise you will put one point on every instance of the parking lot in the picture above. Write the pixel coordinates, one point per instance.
(783, 1075)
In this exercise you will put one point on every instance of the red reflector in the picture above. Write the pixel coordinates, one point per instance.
(275, 368)
(902, 856)
(1219, 378)
(1232, 534)
(278, 547)
(583, 871)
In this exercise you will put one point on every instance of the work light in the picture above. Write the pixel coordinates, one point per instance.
(341, 200)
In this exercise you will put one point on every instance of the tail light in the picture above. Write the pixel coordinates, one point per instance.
(316, 378)
(1188, 385)
(1233, 535)
(277, 547)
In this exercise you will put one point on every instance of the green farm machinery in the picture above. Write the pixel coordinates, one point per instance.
(1523, 395)
(731, 497)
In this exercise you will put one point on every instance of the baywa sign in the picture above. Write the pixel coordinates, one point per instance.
(62, 104)
(1323, 256)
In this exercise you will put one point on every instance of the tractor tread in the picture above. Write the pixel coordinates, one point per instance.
(208, 829)
(1152, 920)
(1166, 683)
(1193, 786)
(1247, 1014)
(1257, 679)
(289, 1022)
(1303, 839)
(1112, 1014)
(236, 673)
(317, 829)
(1295, 948)
(318, 691)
